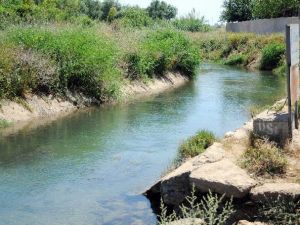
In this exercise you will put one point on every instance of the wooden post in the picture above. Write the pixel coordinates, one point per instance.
(292, 51)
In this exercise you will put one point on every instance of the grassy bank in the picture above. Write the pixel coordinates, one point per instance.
(263, 52)
(51, 59)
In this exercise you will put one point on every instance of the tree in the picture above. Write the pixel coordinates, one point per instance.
(112, 14)
(264, 9)
(91, 8)
(236, 10)
(161, 10)
(106, 7)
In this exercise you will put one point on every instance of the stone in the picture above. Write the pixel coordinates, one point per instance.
(245, 222)
(223, 177)
(229, 134)
(189, 221)
(273, 126)
(274, 190)
(175, 186)
(212, 154)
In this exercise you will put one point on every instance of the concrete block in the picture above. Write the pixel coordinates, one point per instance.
(273, 126)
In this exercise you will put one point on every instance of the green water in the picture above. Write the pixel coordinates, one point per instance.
(92, 166)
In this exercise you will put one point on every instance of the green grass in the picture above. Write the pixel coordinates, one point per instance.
(235, 60)
(162, 51)
(196, 144)
(4, 124)
(264, 158)
(271, 56)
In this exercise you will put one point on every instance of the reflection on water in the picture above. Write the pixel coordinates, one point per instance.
(91, 167)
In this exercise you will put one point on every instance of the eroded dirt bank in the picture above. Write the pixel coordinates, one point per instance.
(34, 107)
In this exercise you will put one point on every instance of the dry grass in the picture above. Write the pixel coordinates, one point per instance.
(264, 159)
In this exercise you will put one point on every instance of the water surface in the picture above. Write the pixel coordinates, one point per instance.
(91, 167)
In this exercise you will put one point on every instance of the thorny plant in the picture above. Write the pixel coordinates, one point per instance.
(211, 209)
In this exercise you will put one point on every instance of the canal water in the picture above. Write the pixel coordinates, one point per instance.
(92, 166)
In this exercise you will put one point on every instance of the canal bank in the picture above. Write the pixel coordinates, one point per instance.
(34, 107)
(261, 179)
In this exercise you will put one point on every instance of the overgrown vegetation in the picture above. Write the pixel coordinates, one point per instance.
(68, 59)
(192, 23)
(89, 46)
(163, 51)
(280, 211)
(249, 50)
(264, 158)
(212, 209)
(272, 55)
(196, 144)
(93, 62)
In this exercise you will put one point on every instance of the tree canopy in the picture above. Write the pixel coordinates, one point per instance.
(275, 8)
(242, 10)
(236, 10)
(161, 10)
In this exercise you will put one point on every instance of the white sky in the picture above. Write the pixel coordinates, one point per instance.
(210, 9)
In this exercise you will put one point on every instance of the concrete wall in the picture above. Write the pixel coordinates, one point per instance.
(264, 26)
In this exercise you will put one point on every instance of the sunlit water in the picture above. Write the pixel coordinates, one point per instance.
(91, 167)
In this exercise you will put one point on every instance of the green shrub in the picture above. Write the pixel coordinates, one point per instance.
(280, 211)
(112, 14)
(4, 124)
(234, 60)
(163, 51)
(242, 49)
(271, 56)
(86, 61)
(197, 144)
(191, 24)
(264, 159)
(134, 17)
(23, 71)
(212, 209)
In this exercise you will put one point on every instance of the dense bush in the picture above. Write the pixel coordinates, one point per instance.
(196, 144)
(235, 60)
(23, 71)
(134, 17)
(191, 23)
(162, 51)
(271, 56)
(264, 158)
(243, 49)
(86, 62)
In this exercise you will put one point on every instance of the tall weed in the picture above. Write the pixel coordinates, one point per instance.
(86, 62)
